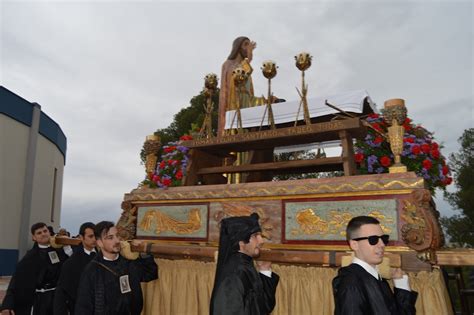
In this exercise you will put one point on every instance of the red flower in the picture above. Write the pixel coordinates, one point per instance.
(162, 164)
(425, 147)
(359, 157)
(449, 180)
(434, 146)
(378, 139)
(415, 149)
(377, 126)
(156, 178)
(435, 153)
(409, 140)
(445, 170)
(166, 181)
(186, 137)
(427, 164)
(385, 161)
(407, 127)
(373, 115)
(407, 121)
(170, 162)
(179, 174)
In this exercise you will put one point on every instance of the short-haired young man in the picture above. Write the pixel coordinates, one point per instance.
(358, 288)
(66, 290)
(110, 283)
(32, 287)
(238, 287)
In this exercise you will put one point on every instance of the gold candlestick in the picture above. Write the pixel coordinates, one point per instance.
(240, 76)
(210, 86)
(394, 114)
(151, 147)
(303, 62)
(269, 70)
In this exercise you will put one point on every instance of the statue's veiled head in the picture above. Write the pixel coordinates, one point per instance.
(237, 48)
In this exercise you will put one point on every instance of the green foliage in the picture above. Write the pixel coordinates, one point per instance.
(460, 227)
(187, 119)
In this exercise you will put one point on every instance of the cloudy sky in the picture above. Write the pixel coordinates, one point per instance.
(111, 72)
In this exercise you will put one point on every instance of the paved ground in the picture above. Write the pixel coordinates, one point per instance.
(3, 287)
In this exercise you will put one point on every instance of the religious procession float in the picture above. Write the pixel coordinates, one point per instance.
(388, 168)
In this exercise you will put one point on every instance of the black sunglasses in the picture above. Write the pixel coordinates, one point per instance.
(374, 239)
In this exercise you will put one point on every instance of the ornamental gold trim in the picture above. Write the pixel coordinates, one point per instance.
(279, 190)
(150, 199)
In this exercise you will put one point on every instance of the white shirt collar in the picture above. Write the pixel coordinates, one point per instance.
(88, 252)
(105, 258)
(373, 271)
(43, 246)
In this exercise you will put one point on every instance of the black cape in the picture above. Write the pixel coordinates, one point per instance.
(358, 292)
(66, 290)
(99, 288)
(33, 271)
(242, 289)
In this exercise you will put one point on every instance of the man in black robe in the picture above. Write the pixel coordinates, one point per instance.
(34, 282)
(358, 288)
(66, 290)
(110, 283)
(238, 287)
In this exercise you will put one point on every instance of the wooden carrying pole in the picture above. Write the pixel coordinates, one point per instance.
(444, 257)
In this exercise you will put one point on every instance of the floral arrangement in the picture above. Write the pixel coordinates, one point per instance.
(171, 167)
(421, 154)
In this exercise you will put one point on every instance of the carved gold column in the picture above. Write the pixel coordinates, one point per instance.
(394, 114)
(151, 147)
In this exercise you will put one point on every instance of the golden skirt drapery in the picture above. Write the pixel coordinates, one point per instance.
(184, 288)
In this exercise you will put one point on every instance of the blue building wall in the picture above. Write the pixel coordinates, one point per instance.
(21, 110)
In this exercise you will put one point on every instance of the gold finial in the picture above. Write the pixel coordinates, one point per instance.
(303, 61)
(269, 69)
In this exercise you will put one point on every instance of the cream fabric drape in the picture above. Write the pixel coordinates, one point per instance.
(184, 288)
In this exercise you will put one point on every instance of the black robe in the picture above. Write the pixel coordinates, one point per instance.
(243, 290)
(34, 271)
(357, 292)
(66, 290)
(99, 288)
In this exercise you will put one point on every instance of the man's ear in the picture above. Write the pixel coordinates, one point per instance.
(241, 245)
(99, 243)
(354, 245)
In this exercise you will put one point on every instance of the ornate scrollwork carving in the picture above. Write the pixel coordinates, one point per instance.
(421, 230)
(127, 224)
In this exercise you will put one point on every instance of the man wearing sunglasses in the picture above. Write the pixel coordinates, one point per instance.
(358, 288)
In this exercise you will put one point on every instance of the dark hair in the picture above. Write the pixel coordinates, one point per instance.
(84, 226)
(51, 230)
(354, 225)
(37, 226)
(236, 47)
(101, 228)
